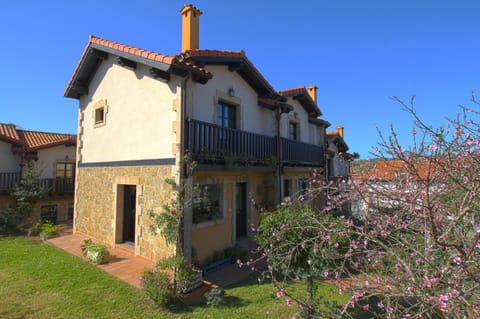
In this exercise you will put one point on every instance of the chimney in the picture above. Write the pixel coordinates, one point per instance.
(312, 91)
(190, 27)
(340, 131)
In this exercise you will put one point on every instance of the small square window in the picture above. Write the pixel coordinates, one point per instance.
(100, 112)
(99, 115)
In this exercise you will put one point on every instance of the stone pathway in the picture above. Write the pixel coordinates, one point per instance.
(124, 264)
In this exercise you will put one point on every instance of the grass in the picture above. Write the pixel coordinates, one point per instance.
(42, 281)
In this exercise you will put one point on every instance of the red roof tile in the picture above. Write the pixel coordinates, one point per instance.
(34, 140)
(390, 170)
(300, 89)
(9, 132)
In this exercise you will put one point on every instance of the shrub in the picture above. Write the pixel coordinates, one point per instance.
(49, 230)
(215, 297)
(158, 286)
(34, 230)
(84, 246)
(98, 254)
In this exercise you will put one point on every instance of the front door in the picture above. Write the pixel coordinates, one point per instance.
(129, 213)
(241, 209)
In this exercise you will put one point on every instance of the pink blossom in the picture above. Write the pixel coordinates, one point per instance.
(280, 293)
(380, 305)
(325, 274)
(366, 307)
(433, 147)
(398, 267)
(389, 309)
(289, 302)
(457, 260)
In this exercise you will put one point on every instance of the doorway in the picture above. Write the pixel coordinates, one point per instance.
(241, 210)
(129, 213)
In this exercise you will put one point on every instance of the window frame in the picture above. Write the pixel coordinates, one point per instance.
(231, 117)
(221, 207)
(293, 135)
(100, 107)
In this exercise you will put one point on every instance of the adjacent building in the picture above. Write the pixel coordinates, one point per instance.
(53, 156)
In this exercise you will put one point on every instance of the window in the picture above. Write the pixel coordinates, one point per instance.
(226, 116)
(48, 213)
(287, 191)
(100, 115)
(207, 205)
(293, 131)
(302, 186)
(65, 170)
(100, 112)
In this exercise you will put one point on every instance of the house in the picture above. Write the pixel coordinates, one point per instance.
(381, 181)
(52, 155)
(338, 159)
(142, 113)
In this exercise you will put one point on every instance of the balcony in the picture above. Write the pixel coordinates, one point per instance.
(54, 186)
(8, 181)
(212, 144)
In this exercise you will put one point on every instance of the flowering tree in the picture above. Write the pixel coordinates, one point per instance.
(413, 250)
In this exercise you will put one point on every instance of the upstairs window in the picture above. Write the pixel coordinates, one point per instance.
(100, 113)
(293, 131)
(226, 116)
(65, 170)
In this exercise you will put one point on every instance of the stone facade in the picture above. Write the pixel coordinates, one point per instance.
(99, 212)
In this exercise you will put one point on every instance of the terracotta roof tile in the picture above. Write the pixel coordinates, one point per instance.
(390, 170)
(34, 140)
(9, 132)
(292, 91)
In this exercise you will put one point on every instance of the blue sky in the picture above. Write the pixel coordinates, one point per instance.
(359, 53)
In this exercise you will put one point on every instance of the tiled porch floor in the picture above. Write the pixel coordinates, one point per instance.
(123, 265)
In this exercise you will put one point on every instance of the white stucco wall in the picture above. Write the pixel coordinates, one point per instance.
(48, 157)
(138, 120)
(301, 118)
(9, 163)
(251, 117)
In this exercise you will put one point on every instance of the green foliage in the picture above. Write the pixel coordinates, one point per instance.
(182, 270)
(98, 254)
(48, 229)
(34, 230)
(29, 190)
(158, 286)
(215, 297)
(84, 246)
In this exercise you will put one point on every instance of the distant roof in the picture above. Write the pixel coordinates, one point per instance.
(301, 94)
(34, 140)
(337, 139)
(389, 170)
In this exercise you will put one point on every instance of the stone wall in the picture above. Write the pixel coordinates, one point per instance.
(97, 209)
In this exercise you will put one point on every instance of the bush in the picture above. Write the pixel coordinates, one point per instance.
(84, 246)
(98, 254)
(158, 287)
(34, 230)
(49, 230)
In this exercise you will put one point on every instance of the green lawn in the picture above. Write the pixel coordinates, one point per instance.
(41, 281)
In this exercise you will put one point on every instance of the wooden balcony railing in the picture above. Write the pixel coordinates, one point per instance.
(58, 185)
(210, 143)
(53, 185)
(8, 181)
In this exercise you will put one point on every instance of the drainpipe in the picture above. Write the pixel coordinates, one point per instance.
(186, 228)
(278, 115)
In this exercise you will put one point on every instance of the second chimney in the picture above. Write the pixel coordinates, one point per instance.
(312, 91)
(340, 131)
(190, 27)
